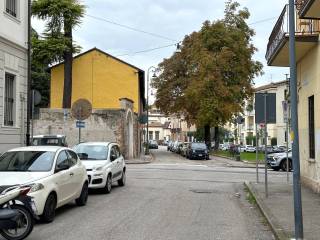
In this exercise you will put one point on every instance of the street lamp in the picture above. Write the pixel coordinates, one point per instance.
(153, 76)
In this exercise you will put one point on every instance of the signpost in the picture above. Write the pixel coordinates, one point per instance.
(81, 110)
(263, 116)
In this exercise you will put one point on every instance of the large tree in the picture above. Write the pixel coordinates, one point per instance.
(213, 74)
(61, 17)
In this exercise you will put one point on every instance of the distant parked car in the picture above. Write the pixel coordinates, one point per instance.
(278, 161)
(49, 140)
(250, 148)
(153, 144)
(175, 147)
(169, 145)
(184, 149)
(242, 148)
(197, 151)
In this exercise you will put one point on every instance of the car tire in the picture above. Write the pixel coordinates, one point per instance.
(82, 200)
(108, 186)
(276, 168)
(49, 211)
(122, 180)
(284, 165)
(29, 222)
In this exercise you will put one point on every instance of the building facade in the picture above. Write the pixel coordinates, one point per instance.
(307, 31)
(165, 128)
(114, 88)
(13, 72)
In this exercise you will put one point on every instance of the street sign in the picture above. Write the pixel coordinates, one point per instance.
(271, 108)
(80, 124)
(81, 109)
(285, 111)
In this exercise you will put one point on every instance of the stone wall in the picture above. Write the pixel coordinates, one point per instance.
(109, 125)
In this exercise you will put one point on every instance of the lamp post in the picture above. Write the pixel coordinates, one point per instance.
(148, 73)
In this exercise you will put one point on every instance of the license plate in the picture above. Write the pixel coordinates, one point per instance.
(200, 155)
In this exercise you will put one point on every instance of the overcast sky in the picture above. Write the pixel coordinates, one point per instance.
(172, 19)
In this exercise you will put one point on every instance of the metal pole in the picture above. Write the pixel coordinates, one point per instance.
(294, 118)
(257, 163)
(265, 146)
(79, 134)
(147, 142)
(287, 129)
(29, 107)
(32, 117)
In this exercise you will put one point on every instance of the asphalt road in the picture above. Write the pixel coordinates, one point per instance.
(170, 199)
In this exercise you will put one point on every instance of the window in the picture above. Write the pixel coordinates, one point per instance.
(157, 135)
(118, 151)
(9, 100)
(11, 7)
(150, 135)
(311, 128)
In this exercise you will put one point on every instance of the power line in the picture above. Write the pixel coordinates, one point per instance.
(131, 28)
(262, 21)
(147, 50)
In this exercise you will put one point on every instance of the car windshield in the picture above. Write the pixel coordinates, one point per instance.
(199, 145)
(92, 152)
(26, 161)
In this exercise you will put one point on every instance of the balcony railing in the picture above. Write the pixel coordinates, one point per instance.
(303, 27)
(302, 5)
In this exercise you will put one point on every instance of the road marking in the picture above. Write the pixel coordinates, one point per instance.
(179, 164)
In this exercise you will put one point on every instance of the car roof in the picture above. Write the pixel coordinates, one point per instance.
(38, 148)
(49, 136)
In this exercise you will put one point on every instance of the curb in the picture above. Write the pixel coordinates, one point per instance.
(144, 161)
(278, 231)
(250, 165)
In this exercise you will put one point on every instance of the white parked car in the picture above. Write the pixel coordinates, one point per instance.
(250, 148)
(104, 163)
(55, 174)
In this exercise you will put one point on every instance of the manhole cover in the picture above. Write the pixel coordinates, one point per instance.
(202, 191)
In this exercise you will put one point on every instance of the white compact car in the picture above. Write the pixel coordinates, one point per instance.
(104, 163)
(56, 176)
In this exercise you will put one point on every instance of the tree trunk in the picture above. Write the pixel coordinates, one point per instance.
(207, 137)
(216, 138)
(67, 88)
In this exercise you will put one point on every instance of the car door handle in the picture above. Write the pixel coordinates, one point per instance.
(71, 174)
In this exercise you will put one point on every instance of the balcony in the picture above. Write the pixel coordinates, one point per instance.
(306, 33)
(308, 8)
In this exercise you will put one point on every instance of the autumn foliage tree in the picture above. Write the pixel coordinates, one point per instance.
(213, 74)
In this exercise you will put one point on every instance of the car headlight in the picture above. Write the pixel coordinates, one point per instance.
(36, 187)
(98, 168)
(206, 151)
(275, 158)
(193, 151)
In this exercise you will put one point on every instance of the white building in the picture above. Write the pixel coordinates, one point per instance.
(13, 72)
(162, 127)
(277, 130)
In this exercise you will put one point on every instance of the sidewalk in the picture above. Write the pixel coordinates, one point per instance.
(278, 209)
(144, 159)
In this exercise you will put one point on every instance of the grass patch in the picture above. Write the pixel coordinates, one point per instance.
(249, 197)
(244, 156)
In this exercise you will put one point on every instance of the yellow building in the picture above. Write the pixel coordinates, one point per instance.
(102, 79)
(307, 31)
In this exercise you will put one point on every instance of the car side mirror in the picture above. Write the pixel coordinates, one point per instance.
(113, 157)
(82, 155)
(62, 167)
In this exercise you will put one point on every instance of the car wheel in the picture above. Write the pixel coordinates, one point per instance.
(49, 211)
(276, 168)
(108, 187)
(82, 200)
(122, 180)
(284, 165)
